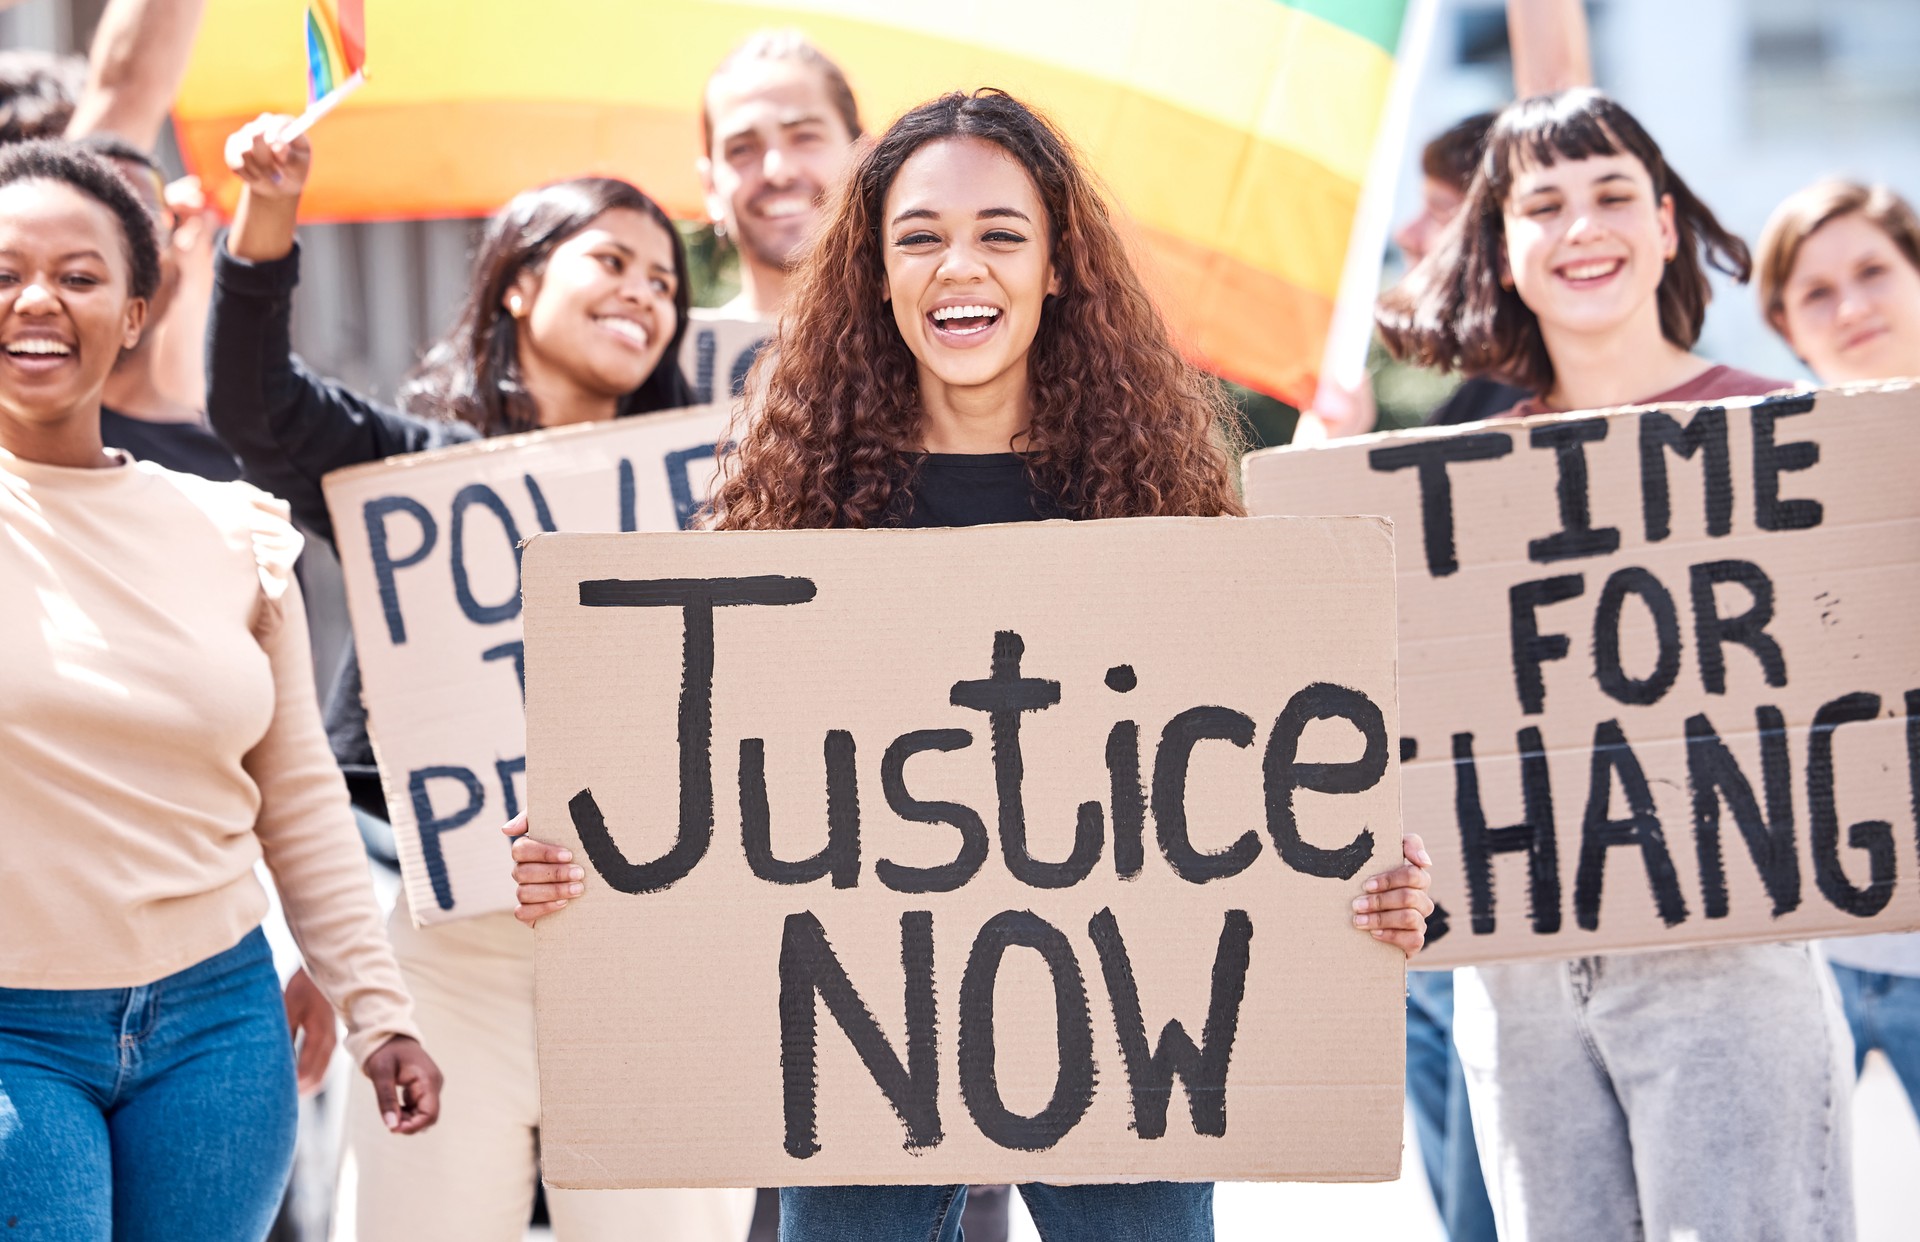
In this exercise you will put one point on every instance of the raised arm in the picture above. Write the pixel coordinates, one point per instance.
(288, 426)
(1550, 46)
(135, 67)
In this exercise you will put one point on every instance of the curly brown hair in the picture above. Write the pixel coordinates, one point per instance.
(1122, 426)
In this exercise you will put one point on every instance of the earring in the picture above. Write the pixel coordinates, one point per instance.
(720, 229)
(514, 306)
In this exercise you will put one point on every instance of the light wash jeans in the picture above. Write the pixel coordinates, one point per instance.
(1692, 1095)
(1141, 1212)
(1437, 1090)
(1883, 1011)
(159, 1112)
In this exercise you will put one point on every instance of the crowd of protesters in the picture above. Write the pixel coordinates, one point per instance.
(961, 339)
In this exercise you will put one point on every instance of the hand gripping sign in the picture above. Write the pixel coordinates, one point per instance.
(429, 545)
(995, 854)
(1660, 676)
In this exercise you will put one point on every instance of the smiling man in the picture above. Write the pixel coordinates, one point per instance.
(779, 123)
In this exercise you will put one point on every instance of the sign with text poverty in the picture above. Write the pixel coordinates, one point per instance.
(1659, 672)
(717, 352)
(966, 855)
(429, 546)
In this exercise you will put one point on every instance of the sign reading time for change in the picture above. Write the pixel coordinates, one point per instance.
(1018, 852)
(429, 546)
(1660, 677)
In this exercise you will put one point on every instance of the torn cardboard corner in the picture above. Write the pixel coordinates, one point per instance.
(991, 855)
(1660, 679)
(428, 545)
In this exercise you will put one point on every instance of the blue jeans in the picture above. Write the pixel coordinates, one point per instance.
(157, 1112)
(1141, 1212)
(1884, 1012)
(1437, 1089)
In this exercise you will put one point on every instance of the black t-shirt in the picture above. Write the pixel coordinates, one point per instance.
(969, 489)
(1475, 401)
(187, 447)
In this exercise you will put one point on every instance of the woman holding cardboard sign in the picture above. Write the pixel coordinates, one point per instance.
(575, 314)
(1605, 1088)
(157, 727)
(969, 344)
(1840, 280)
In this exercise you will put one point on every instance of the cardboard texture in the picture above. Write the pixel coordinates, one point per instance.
(1660, 677)
(717, 352)
(905, 952)
(427, 545)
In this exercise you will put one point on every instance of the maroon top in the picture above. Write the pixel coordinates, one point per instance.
(1711, 384)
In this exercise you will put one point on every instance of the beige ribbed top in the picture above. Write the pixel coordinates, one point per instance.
(159, 735)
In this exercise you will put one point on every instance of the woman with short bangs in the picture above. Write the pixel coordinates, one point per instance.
(1694, 1093)
(969, 344)
(575, 314)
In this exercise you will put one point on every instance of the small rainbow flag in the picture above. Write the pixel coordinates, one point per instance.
(336, 44)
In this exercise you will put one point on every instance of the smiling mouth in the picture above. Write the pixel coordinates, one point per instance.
(628, 330)
(1862, 338)
(965, 320)
(39, 348)
(1589, 272)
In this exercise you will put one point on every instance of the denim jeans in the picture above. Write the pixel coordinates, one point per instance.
(1699, 1094)
(1884, 1012)
(156, 1112)
(1437, 1090)
(1138, 1212)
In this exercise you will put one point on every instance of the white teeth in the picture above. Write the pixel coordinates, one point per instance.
(945, 313)
(1588, 271)
(784, 209)
(38, 347)
(627, 328)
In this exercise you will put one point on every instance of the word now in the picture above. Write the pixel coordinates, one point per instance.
(809, 969)
(1003, 697)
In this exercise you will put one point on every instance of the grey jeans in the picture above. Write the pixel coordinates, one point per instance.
(1693, 1095)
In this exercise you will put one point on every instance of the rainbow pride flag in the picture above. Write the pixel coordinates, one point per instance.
(1233, 134)
(336, 45)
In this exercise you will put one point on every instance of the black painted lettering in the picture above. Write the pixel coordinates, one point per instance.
(840, 856)
(973, 831)
(1875, 836)
(1714, 776)
(696, 598)
(1004, 696)
(541, 513)
(1608, 671)
(1704, 436)
(629, 498)
(1532, 836)
(1614, 760)
(1203, 1069)
(809, 968)
(1431, 459)
(515, 651)
(1913, 758)
(1530, 647)
(431, 825)
(1170, 794)
(1577, 536)
(478, 613)
(510, 771)
(1712, 632)
(1772, 459)
(385, 564)
(1284, 774)
(1073, 1034)
(1129, 799)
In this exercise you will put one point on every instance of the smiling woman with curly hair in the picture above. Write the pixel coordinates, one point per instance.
(1070, 367)
(969, 344)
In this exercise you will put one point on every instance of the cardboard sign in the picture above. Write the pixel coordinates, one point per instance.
(717, 353)
(1660, 675)
(966, 855)
(429, 544)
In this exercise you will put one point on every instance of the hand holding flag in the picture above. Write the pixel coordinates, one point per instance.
(336, 58)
